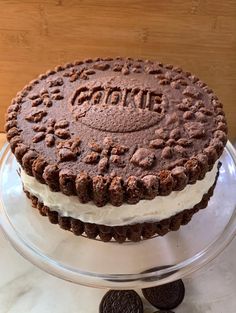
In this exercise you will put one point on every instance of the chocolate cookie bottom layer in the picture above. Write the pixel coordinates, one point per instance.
(120, 234)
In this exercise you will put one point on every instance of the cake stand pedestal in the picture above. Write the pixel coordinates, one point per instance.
(112, 265)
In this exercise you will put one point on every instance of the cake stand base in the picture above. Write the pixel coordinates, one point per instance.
(112, 265)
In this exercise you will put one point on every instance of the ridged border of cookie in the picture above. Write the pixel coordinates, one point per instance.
(103, 189)
(135, 233)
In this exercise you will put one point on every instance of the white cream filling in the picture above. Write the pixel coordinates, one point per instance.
(157, 209)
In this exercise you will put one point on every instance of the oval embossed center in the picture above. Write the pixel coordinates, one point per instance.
(117, 110)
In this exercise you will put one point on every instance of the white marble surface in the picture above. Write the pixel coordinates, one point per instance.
(26, 289)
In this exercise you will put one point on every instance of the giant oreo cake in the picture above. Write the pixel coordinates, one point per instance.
(117, 149)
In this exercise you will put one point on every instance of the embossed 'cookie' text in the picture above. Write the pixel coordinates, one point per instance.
(133, 98)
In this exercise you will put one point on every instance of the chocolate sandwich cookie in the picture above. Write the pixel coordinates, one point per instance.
(165, 297)
(120, 301)
(113, 132)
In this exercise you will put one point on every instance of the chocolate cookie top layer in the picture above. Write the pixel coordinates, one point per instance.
(116, 130)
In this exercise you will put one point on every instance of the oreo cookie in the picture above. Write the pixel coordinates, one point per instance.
(165, 297)
(119, 131)
(120, 301)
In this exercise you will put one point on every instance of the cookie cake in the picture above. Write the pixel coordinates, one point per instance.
(117, 149)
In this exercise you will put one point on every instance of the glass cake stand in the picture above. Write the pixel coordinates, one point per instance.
(111, 265)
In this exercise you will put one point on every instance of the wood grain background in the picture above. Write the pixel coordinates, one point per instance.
(198, 35)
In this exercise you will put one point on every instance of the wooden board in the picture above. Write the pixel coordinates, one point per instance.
(198, 35)
(2, 140)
